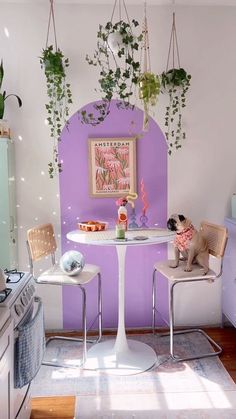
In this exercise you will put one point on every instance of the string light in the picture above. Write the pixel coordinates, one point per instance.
(6, 31)
(40, 198)
(42, 173)
(20, 138)
(22, 179)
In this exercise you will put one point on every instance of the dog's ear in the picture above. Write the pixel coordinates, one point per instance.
(181, 218)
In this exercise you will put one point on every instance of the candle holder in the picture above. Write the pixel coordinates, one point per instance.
(144, 220)
(133, 223)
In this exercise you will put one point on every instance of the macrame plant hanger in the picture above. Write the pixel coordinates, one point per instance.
(145, 51)
(120, 4)
(149, 83)
(176, 82)
(173, 47)
(52, 18)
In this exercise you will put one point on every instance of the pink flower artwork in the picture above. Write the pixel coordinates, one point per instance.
(112, 166)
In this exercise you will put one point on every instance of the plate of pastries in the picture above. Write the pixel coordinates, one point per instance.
(92, 225)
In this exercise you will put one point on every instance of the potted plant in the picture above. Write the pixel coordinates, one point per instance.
(149, 83)
(149, 89)
(118, 69)
(4, 130)
(175, 82)
(59, 94)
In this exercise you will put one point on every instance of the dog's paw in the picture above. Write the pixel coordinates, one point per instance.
(187, 269)
(173, 264)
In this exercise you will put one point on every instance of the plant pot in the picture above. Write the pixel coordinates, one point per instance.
(115, 42)
(54, 65)
(4, 128)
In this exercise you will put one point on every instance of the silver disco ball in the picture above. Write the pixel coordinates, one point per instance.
(72, 262)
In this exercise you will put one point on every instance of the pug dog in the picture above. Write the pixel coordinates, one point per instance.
(189, 243)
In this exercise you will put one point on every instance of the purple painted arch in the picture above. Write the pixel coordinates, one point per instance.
(76, 204)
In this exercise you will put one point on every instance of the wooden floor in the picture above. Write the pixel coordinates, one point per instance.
(64, 407)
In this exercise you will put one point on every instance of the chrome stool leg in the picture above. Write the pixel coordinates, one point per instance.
(154, 300)
(84, 324)
(84, 339)
(180, 332)
(99, 307)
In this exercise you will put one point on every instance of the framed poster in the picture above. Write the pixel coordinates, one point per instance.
(112, 166)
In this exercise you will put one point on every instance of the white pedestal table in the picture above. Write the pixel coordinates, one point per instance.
(121, 356)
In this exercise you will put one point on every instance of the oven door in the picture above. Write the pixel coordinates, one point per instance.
(28, 354)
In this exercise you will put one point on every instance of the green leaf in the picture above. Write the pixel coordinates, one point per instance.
(1, 73)
(1, 106)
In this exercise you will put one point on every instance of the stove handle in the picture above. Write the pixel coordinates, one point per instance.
(28, 318)
(29, 347)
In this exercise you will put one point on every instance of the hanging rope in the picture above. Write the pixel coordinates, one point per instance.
(51, 16)
(173, 44)
(113, 11)
(120, 10)
(145, 47)
(125, 9)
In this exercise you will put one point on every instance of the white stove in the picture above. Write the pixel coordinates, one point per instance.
(19, 295)
(19, 298)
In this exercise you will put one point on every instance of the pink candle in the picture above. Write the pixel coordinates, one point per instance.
(144, 198)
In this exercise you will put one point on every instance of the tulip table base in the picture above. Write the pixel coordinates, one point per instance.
(121, 356)
(137, 357)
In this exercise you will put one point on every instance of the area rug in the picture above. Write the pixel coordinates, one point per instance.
(190, 390)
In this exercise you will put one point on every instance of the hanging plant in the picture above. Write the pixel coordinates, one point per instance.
(149, 83)
(175, 82)
(149, 89)
(118, 68)
(59, 94)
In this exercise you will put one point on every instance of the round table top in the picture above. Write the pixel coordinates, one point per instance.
(132, 237)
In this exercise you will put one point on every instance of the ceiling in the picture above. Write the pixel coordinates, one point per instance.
(138, 2)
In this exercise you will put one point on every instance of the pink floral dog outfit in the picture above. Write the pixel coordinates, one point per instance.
(182, 240)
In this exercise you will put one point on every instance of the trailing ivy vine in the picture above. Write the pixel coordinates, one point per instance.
(119, 71)
(175, 83)
(59, 94)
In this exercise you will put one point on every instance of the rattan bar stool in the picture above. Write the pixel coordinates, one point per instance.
(216, 236)
(40, 243)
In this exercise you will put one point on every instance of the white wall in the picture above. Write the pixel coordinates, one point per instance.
(201, 176)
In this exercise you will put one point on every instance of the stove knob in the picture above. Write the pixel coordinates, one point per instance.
(32, 288)
(19, 309)
(28, 295)
(30, 291)
(24, 300)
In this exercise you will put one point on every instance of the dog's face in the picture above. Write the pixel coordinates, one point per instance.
(177, 222)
